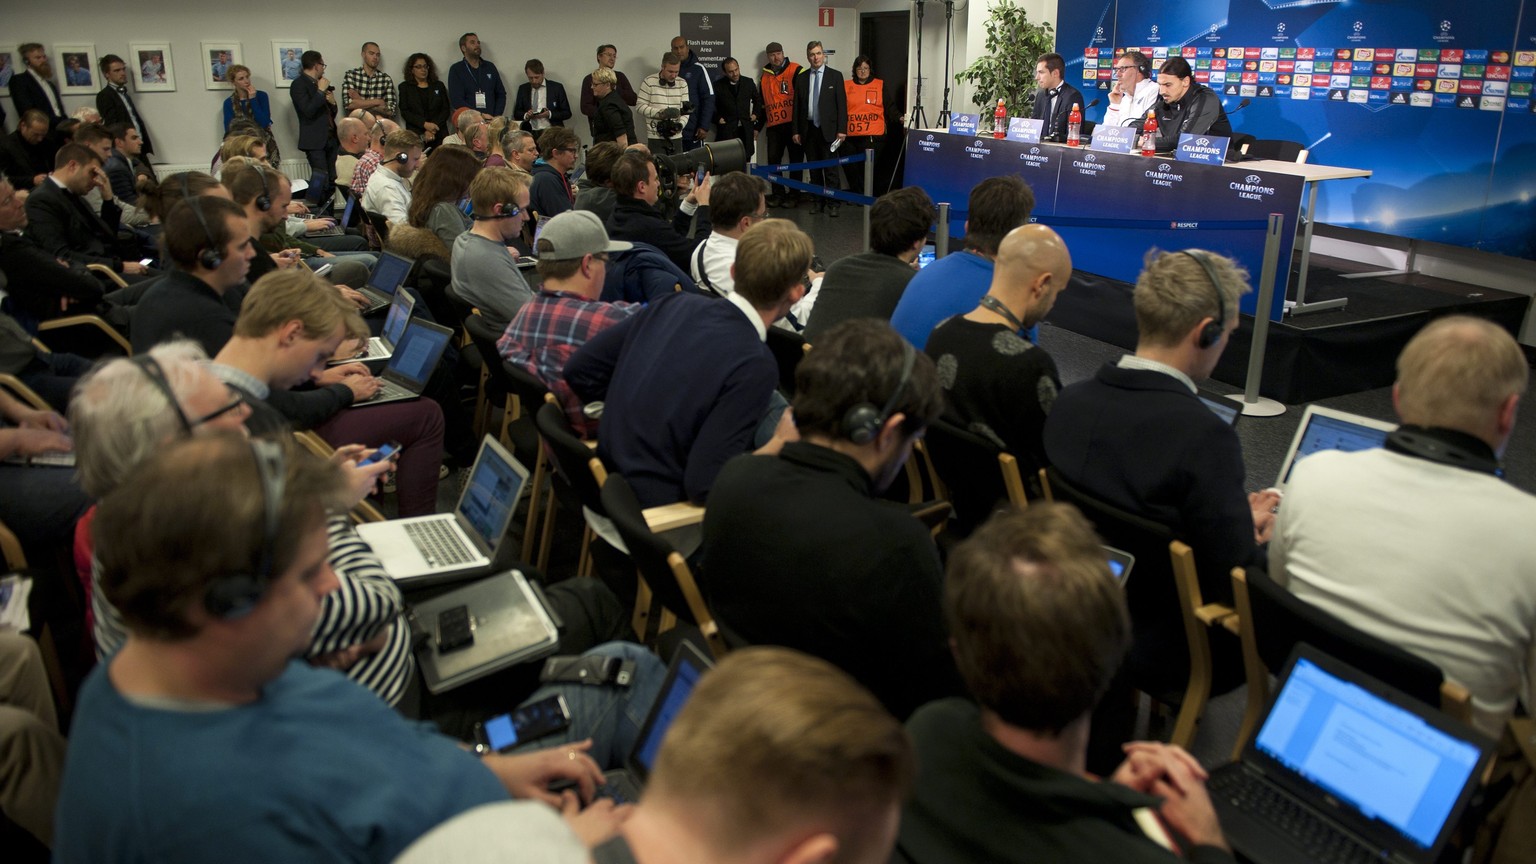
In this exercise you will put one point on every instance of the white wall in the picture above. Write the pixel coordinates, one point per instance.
(188, 123)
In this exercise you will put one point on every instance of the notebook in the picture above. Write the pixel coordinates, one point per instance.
(1345, 768)
(387, 277)
(382, 346)
(688, 665)
(340, 227)
(429, 549)
(410, 366)
(1327, 429)
(511, 622)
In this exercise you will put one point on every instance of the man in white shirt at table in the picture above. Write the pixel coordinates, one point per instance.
(1134, 90)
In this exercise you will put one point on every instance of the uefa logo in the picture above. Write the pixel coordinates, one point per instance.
(1203, 142)
(1445, 26)
(1154, 29)
(1165, 167)
(1034, 151)
(929, 138)
(1253, 179)
(1359, 25)
(1280, 28)
(1090, 158)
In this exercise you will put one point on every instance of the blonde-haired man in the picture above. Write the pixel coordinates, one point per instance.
(1420, 542)
(485, 273)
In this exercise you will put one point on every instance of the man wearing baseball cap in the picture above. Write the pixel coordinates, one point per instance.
(573, 262)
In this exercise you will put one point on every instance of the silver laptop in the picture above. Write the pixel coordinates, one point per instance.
(1327, 429)
(382, 346)
(1345, 768)
(511, 622)
(387, 277)
(415, 356)
(340, 227)
(436, 548)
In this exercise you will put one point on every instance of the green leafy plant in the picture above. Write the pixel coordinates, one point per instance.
(1007, 70)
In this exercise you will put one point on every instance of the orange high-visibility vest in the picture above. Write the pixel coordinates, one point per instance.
(866, 107)
(778, 92)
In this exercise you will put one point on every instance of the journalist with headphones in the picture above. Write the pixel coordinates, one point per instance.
(1132, 91)
(388, 193)
(209, 239)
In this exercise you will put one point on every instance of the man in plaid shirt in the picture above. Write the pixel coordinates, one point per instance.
(573, 258)
(368, 86)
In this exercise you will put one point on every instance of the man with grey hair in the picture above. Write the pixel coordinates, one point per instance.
(1412, 542)
(522, 150)
(125, 410)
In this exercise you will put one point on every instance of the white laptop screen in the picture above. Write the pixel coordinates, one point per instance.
(389, 273)
(1325, 432)
(417, 352)
(490, 496)
(1374, 756)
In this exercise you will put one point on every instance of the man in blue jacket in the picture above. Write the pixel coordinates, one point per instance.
(701, 94)
(475, 82)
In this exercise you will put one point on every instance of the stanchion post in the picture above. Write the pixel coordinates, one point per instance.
(941, 236)
(869, 189)
(1253, 404)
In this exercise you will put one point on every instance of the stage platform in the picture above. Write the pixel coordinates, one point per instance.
(1319, 354)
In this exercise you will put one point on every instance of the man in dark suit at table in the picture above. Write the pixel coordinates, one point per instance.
(36, 86)
(540, 103)
(1055, 98)
(821, 116)
(115, 103)
(61, 222)
(315, 101)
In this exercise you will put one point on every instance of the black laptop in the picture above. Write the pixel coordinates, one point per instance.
(1345, 768)
(688, 665)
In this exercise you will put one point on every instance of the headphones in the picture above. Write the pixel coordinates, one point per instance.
(156, 375)
(1411, 441)
(209, 257)
(1144, 67)
(1210, 334)
(264, 200)
(402, 157)
(863, 421)
(508, 210)
(235, 594)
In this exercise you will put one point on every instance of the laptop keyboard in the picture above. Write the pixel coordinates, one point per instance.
(386, 388)
(439, 543)
(1323, 841)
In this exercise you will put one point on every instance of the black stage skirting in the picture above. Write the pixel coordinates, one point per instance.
(1311, 356)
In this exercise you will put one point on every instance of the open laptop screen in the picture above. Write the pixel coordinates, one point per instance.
(399, 315)
(417, 352)
(1374, 756)
(389, 273)
(491, 494)
(679, 686)
(1330, 432)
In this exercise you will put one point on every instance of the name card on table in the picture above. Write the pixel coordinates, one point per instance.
(963, 124)
(1113, 139)
(1209, 149)
(1024, 130)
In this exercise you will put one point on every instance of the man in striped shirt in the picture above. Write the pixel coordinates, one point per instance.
(662, 97)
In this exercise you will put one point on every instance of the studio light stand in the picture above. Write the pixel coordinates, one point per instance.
(949, 48)
(919, 119)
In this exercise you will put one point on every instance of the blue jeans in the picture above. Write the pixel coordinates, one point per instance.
(610, 715)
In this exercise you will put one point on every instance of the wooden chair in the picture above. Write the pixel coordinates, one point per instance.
(1273, 621)
(363, 511)
(21, 391)
(495, 388)
(80, 327)
(973, 473)
(660, 566)
(582, 473)
(107, 273)
(1163, 591)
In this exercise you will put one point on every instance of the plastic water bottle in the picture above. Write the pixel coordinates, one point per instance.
(1149, 135)
(1075, 126)
(1000, 121)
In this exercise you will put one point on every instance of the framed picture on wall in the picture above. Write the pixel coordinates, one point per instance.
(286, 54)
(77, 60)
(6, 68)
(216, 58)
(149, 65)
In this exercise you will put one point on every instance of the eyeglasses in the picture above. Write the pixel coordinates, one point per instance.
(237, 399)
(1123, 68)
(600, 256)
(758, 216)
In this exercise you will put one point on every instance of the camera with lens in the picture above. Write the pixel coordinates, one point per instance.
(671, 123)
(715, 158)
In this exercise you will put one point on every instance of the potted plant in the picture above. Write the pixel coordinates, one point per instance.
(1007, 70)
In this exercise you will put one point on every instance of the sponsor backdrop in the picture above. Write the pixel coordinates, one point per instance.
(1111, 208)
(1434, 98)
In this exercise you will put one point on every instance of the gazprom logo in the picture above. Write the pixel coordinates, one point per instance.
(1253, 179)
(1203, 142)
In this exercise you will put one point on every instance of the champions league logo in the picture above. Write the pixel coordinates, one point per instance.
(1358, 34)
(1444, 34)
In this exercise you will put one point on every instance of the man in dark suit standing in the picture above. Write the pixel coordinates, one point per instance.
(315, 101)
(738, 109)
(821, 116)
(540, 104)
(36, 87)
(115, 103)
(1054, 101)
(60, 221)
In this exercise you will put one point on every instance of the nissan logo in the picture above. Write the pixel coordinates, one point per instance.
(1253, 179)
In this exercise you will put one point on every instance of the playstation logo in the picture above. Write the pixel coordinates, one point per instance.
(1253, 179)
(1203, 141)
